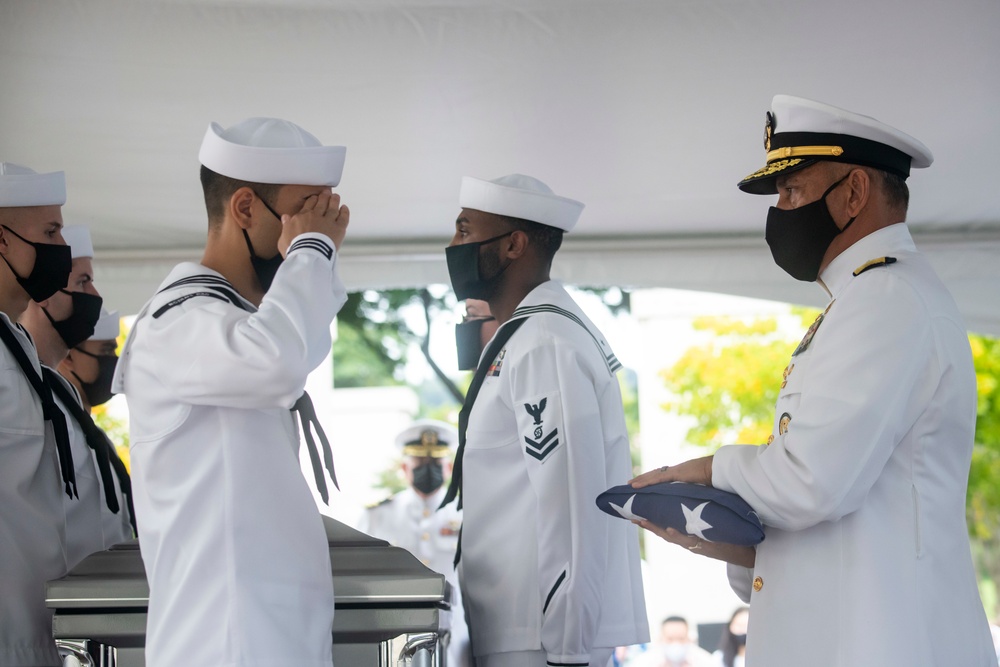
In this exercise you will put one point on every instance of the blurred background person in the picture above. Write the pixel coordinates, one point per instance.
(733, 643)
(674, 648)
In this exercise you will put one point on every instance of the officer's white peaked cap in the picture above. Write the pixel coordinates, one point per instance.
(520, 196)
(427, 437)
(271, 150)
(799, 132)
(21, 186)
(78, 239)
(107, 327)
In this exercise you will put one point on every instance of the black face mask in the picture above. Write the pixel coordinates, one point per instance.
(466, 277)
(739, 640)
(469, 341)
(99, 391)
(429, 477)
(800, 237)
(79, 326)
(264, 268)
(53, 264)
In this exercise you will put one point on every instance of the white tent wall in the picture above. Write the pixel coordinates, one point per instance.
(649, 111)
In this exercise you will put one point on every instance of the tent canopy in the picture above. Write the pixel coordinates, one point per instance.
(649, 111)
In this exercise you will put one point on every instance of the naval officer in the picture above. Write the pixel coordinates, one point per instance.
(547, 578)
(234, 547)
(409, 518)
(862, 484)
(36, 467)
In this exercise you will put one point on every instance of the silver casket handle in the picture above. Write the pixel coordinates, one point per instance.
(74, 653)
(420, 651)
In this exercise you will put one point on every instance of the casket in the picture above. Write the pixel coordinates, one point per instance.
(390, 608)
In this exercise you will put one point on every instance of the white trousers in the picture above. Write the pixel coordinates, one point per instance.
(599, 657)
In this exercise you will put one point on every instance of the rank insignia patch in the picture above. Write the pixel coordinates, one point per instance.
(494, 369)
(540, 441)
(807, 339)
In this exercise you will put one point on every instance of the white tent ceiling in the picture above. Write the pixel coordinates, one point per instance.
(649, 111)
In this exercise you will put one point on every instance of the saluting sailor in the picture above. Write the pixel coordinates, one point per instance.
(409, 518)
(36, 466)
(234, 547)
(866, 558)
(547, 578)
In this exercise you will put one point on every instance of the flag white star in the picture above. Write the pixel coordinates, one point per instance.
(626, 511)
(695, 525)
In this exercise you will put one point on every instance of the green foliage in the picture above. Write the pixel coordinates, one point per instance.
(730, 384)
(117, 430)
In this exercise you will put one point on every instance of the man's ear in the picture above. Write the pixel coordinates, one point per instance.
(68, 362)
(859, 185)
(241, 207)
(517, 244)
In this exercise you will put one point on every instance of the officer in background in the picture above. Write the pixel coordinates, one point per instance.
(410, 518)
(862, 484)
(36, 466)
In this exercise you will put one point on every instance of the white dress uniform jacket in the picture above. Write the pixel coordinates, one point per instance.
(32, 533)
(234, 547)
(414, 523)
(542, 567)
(866, 558)
(90, 525)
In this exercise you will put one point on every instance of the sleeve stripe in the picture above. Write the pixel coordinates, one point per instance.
(567, 664)
(321, 247)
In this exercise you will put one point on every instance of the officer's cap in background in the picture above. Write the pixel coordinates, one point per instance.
(78, 239)
(800, 132)
(107, 327)
(21, 186)
(271, 150)
(702, 511)
(520, 196)
(427, 437)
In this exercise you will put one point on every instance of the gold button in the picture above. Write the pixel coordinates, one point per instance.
(770, 439)
(758, 584)
(427, 513)
(425, 537)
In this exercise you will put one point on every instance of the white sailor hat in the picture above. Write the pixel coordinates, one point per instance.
(427, 437)
(271, 150)
(520, 196)
(78, 239)
(712, 514)
(21, 186)
(800, 132)
(107, 327)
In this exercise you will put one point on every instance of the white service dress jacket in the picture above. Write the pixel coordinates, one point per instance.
(234, 547)
(542, 568)
(32, 529)
(866, 560)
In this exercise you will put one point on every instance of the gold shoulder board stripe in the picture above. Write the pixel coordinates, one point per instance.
(880, 261)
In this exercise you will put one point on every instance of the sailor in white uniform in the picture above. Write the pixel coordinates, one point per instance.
(61, 322)
(36, 467)
(862, 484)
(234, 547)
(89, 368)
(410, 519)
(548, 579)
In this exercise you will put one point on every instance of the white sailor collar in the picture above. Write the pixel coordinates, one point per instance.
(551, 292)
(894, 238)
(186, 270)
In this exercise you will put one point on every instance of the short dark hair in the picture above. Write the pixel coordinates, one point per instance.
(218, 189)
(547, 238)
(674, 619)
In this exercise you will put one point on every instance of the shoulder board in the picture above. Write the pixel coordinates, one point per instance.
(880, 261)
(379, 503)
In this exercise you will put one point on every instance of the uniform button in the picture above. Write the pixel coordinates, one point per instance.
(758, 583)
(425, 537)
(427, 512)
(770, 439)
